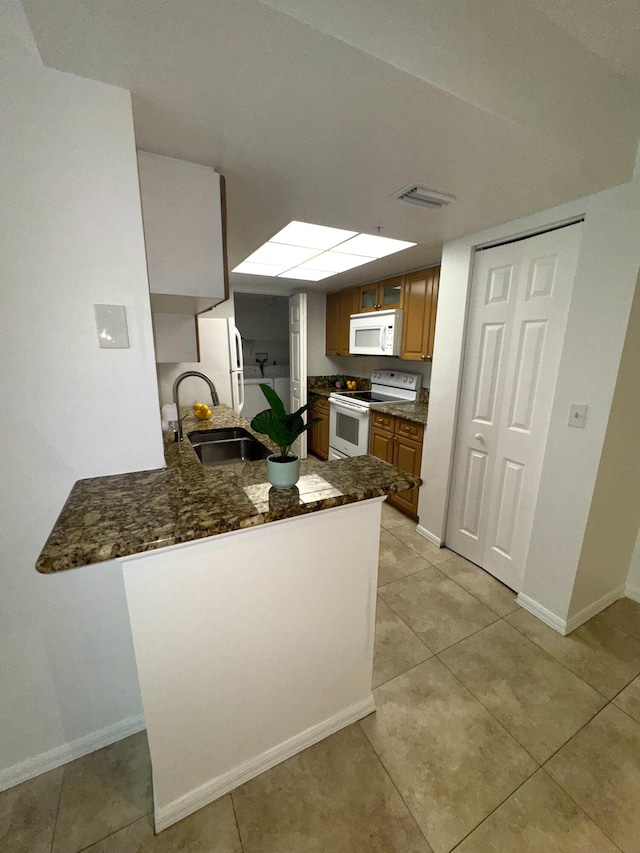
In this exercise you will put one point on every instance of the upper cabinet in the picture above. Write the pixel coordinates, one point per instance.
(415, 292)
(420, 306)
(183, 210)
(381, 295)
(340, 307)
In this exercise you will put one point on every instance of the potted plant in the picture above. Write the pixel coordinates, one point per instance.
(282, 429)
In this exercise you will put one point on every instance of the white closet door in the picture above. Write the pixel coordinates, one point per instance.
(520, 297)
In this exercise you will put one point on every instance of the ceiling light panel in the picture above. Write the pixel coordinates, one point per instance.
(311, 236)
(372, 246)
(259, 269)
(304, 274)
(336, 262)
(281, 255)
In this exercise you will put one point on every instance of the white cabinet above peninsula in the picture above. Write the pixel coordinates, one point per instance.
(183, 209)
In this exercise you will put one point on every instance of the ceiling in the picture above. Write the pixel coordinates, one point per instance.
(321, 111)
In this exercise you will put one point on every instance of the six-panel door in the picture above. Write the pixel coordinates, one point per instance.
(519, 305)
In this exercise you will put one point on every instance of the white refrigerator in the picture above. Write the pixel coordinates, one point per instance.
(221, 359)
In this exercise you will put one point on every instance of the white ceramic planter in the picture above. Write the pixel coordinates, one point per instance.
(283, 475)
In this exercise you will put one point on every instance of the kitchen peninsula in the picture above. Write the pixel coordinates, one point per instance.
(252, 610)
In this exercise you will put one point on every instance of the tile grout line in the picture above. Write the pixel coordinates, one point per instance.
(395, 787)
(408, 626)
(444, 574)
(235, 817)
(409, 575)
(400, 674)
(491, 714)
(578, 806)
(489, 711)
(538, 766)
(115, 831)
(557, 660)
(493, 811)
(562, 663)
(55, 823)
(564, 790)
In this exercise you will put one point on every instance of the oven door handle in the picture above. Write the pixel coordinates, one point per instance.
(360, 410)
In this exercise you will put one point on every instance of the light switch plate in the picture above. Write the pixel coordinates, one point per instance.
(577, 415)
(111, 326)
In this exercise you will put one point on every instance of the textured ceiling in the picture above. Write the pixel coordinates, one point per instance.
(322, 120)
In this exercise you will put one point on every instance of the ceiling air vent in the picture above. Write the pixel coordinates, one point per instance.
(424, 196)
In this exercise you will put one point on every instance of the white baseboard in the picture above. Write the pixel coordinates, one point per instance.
(551, 619)
(220, 785)
(632, 590)
(566, 626)
(593, 609)
(430, 536)
(60, 755)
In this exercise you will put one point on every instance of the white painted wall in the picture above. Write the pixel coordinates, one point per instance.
(251, 646)
(71, 237)
(605, 282)
(320, 364)
(614, 514)
(633, 578)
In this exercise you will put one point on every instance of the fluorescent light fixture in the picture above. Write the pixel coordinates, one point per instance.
(311, 236)
(281, 255)
(259, 269)
(336, 262)
(313, 252)
(377, 247)
(305, 274)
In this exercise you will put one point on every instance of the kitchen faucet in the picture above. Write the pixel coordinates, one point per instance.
(176, 385)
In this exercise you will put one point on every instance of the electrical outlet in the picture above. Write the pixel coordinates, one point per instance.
(577, 415)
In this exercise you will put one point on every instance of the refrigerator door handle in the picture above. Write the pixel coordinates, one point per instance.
(239, 356)
(240, 379)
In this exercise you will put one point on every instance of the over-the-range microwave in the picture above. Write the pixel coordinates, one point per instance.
(376, 333)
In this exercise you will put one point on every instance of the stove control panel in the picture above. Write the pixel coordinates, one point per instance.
(397, 379)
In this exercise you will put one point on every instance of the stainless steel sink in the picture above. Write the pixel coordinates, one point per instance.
(227, 446)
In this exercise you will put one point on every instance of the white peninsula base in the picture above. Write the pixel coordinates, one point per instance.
(252, 646)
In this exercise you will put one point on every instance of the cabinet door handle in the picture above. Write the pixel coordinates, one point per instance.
(423, 357)
(407, 429)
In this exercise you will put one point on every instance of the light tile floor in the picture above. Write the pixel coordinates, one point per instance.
(492, 733)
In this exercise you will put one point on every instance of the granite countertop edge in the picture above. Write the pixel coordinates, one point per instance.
(121, 515)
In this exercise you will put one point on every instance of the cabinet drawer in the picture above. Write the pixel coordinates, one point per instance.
(382, 421)
(410, 429)
(322, 405)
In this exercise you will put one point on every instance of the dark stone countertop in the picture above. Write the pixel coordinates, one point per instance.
(105, 518)
(416, 412)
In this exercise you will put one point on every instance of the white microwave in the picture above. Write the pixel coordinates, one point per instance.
(376, 333)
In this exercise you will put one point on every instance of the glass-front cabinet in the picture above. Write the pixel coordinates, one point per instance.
(381, 295)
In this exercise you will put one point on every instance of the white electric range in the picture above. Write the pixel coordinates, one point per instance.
(349, 414)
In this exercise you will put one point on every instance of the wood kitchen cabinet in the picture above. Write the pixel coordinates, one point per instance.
(415, 292)
(184, 217)
(319, 433)
(381, 295)
(420, 306)
(398, 441)
(340, 307)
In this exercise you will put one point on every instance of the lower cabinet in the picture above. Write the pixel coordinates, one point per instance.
(319, 433)
(398, 441)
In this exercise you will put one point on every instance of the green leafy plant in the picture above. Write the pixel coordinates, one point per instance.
(282, 429)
